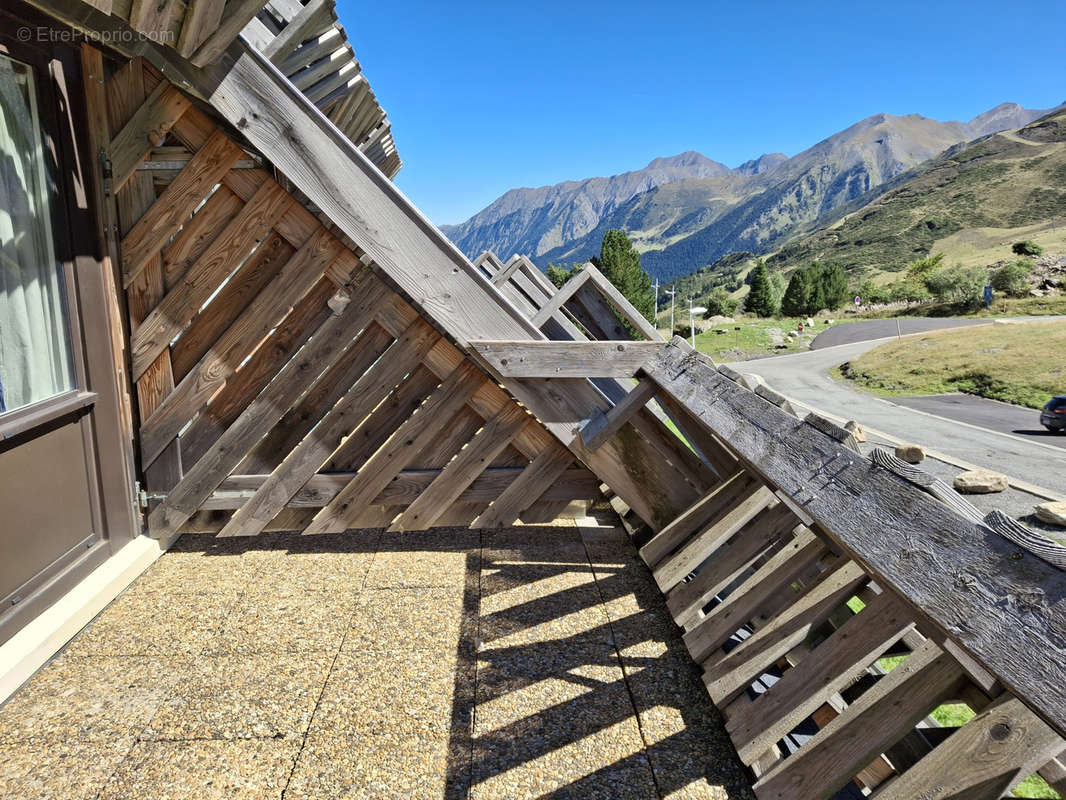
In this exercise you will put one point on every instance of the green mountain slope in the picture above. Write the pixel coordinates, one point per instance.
(1008, 185)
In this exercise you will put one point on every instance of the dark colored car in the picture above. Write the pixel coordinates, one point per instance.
(1053, 417)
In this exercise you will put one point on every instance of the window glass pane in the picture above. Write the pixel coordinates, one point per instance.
(35, 360)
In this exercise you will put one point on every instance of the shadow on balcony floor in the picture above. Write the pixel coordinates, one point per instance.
(531, 662)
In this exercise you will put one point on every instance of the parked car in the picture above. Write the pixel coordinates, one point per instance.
(1053, 417)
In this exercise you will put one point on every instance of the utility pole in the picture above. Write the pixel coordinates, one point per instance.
(671, 292)
(691, 324)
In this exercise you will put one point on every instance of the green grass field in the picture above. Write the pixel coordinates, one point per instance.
(1021, 364)
(752, 337)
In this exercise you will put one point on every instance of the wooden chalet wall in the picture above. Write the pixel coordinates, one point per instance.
(276, 376)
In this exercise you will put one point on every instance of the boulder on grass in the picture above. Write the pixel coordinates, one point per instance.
(856, 430)
(980, 481)
(1053, 513)
(911, 453)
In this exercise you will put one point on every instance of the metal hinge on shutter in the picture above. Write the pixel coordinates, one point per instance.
(105, 170)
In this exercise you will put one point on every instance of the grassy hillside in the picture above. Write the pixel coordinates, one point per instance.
(1019, 364)
(970, 204)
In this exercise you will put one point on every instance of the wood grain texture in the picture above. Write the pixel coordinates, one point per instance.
(831, 667)
(576, 483)
(1002, 606)
(559, 298)
(398, 449)
(772, 580)
(984, 759)
(697, 549)
(250, 329)
(311, 453)
(147, 129)
(249, 381)
(728, 674)
(206, 275)
(461, 471)
(589, 359)
(299, 374)
(192, 186)
(526, 489)
(697, 516)
(602, 427)
(762, 536)
(866, 728)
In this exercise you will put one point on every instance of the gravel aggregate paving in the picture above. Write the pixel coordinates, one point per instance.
(526, 662)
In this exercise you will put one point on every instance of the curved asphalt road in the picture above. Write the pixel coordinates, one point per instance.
(804, 378)
(866, 330)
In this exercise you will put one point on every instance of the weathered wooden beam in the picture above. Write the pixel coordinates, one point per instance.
(202, 17)
(602, 427)
(404, 443)
(866, 728)
(621, 304)
(727, 675)
(559, 298)
(728, 519)
(1004, 607)
(461, 471)
(296, 279)
(145, 130)
(177, 203)
(310, 454)
(238, 14)
(1004, 744)
(203, 277)
(576, 483)
(772, 579)
(526, 489)
(298, 375)
(591, 359)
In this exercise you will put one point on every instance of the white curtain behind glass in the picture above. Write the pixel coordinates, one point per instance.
(35, 360)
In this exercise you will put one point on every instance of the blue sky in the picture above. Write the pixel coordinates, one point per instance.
(485, 97)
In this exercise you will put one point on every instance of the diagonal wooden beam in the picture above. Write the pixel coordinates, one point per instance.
(177, 203)
(877, 720)
(984, 759)
(774, 578)
(204, 276)
(202, 17)
(621, 304)
(296, 279)
(589, 359)
(844, 656)
(527, 488)
(404, 443)
(560, 297)
(146, 129)
(460, 472)
(602, 427)
(327, 344)
(307, 457)
(875, 517)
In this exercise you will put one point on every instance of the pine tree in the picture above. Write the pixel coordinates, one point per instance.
(620, 263)
(833, 284)
(760, 299)
(796, 302)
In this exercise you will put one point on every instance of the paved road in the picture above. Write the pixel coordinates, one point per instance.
(991, 414)
(804, 377)
(867, 330)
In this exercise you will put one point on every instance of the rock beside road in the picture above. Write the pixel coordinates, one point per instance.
(856, 430)
(980, 481)
(1053, 513)
(911, 453)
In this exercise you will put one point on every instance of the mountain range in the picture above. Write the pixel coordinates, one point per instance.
(686, 211)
